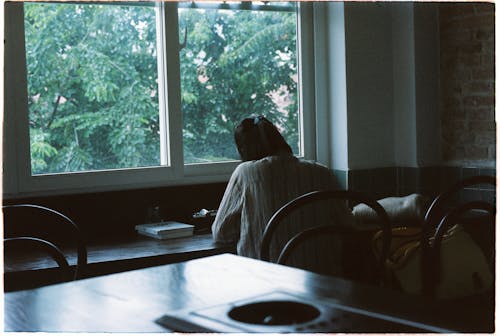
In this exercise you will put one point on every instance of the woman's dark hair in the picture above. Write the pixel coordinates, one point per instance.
(257, 137)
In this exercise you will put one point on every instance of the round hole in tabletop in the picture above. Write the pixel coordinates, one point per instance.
(274, 313)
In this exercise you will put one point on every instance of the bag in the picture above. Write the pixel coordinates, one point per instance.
(464, 268)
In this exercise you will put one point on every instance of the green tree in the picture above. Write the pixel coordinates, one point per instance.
(231, 65)
(93, 86)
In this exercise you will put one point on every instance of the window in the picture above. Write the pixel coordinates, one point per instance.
(138, 94)
(235, 63)
(92, 72)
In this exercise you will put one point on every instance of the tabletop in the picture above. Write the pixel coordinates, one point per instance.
(111, 256)
(118, 249)
(134, 301)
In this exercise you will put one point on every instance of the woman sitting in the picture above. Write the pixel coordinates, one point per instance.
(269, 177)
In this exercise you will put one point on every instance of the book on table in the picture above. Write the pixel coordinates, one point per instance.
(165, 230)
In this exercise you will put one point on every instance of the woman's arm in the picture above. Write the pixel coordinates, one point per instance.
(226, 227)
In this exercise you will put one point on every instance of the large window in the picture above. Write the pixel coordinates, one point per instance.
(146, 93)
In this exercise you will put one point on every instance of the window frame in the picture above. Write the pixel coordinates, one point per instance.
(17, 178)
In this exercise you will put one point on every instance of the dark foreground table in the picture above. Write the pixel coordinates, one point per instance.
(202, 291)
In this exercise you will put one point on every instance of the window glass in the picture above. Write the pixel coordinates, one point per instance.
(93, 82)
(236, 62)
(92, 76)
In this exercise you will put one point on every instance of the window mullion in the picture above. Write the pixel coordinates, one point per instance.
(305, 45)
(172, 89)
(162, 85)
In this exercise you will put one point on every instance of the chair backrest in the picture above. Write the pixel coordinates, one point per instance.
(43, 245)
(32, 222)
(307, 234)
(315, 196)
(435, 211)
(440, 218)
(432, 254)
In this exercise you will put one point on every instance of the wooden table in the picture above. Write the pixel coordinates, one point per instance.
(132, 301)
(106, 257)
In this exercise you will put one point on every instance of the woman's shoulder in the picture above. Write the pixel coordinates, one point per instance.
(244, 166)
(279, 162)
(245, 169)
(313, 165)
(268, 160)
(262, 166)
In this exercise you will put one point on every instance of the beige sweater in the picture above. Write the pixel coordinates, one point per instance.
(257, 189)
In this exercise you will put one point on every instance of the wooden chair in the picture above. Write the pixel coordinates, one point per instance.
(45, 246)
(437, 209)
(41, 228)
(310, 233)
(440, 217)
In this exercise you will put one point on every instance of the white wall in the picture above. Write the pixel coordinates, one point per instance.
(404, 109)
(331, 79)
(369, 85)
(383, 103)
(427, 84)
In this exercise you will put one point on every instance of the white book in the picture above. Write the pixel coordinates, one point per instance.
(178, 234)
(163, 230)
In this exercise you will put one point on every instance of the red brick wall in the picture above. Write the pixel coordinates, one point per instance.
(467, 87)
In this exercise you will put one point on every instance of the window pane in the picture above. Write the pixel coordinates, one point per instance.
(236, 63)
(92, 87)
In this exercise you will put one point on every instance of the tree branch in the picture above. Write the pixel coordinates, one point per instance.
(54, 111)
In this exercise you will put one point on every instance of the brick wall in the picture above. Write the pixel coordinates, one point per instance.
(467, 70)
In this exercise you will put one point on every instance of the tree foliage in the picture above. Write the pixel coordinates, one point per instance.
(93, 82)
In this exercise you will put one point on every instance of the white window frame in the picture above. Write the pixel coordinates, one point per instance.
(17, 178)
